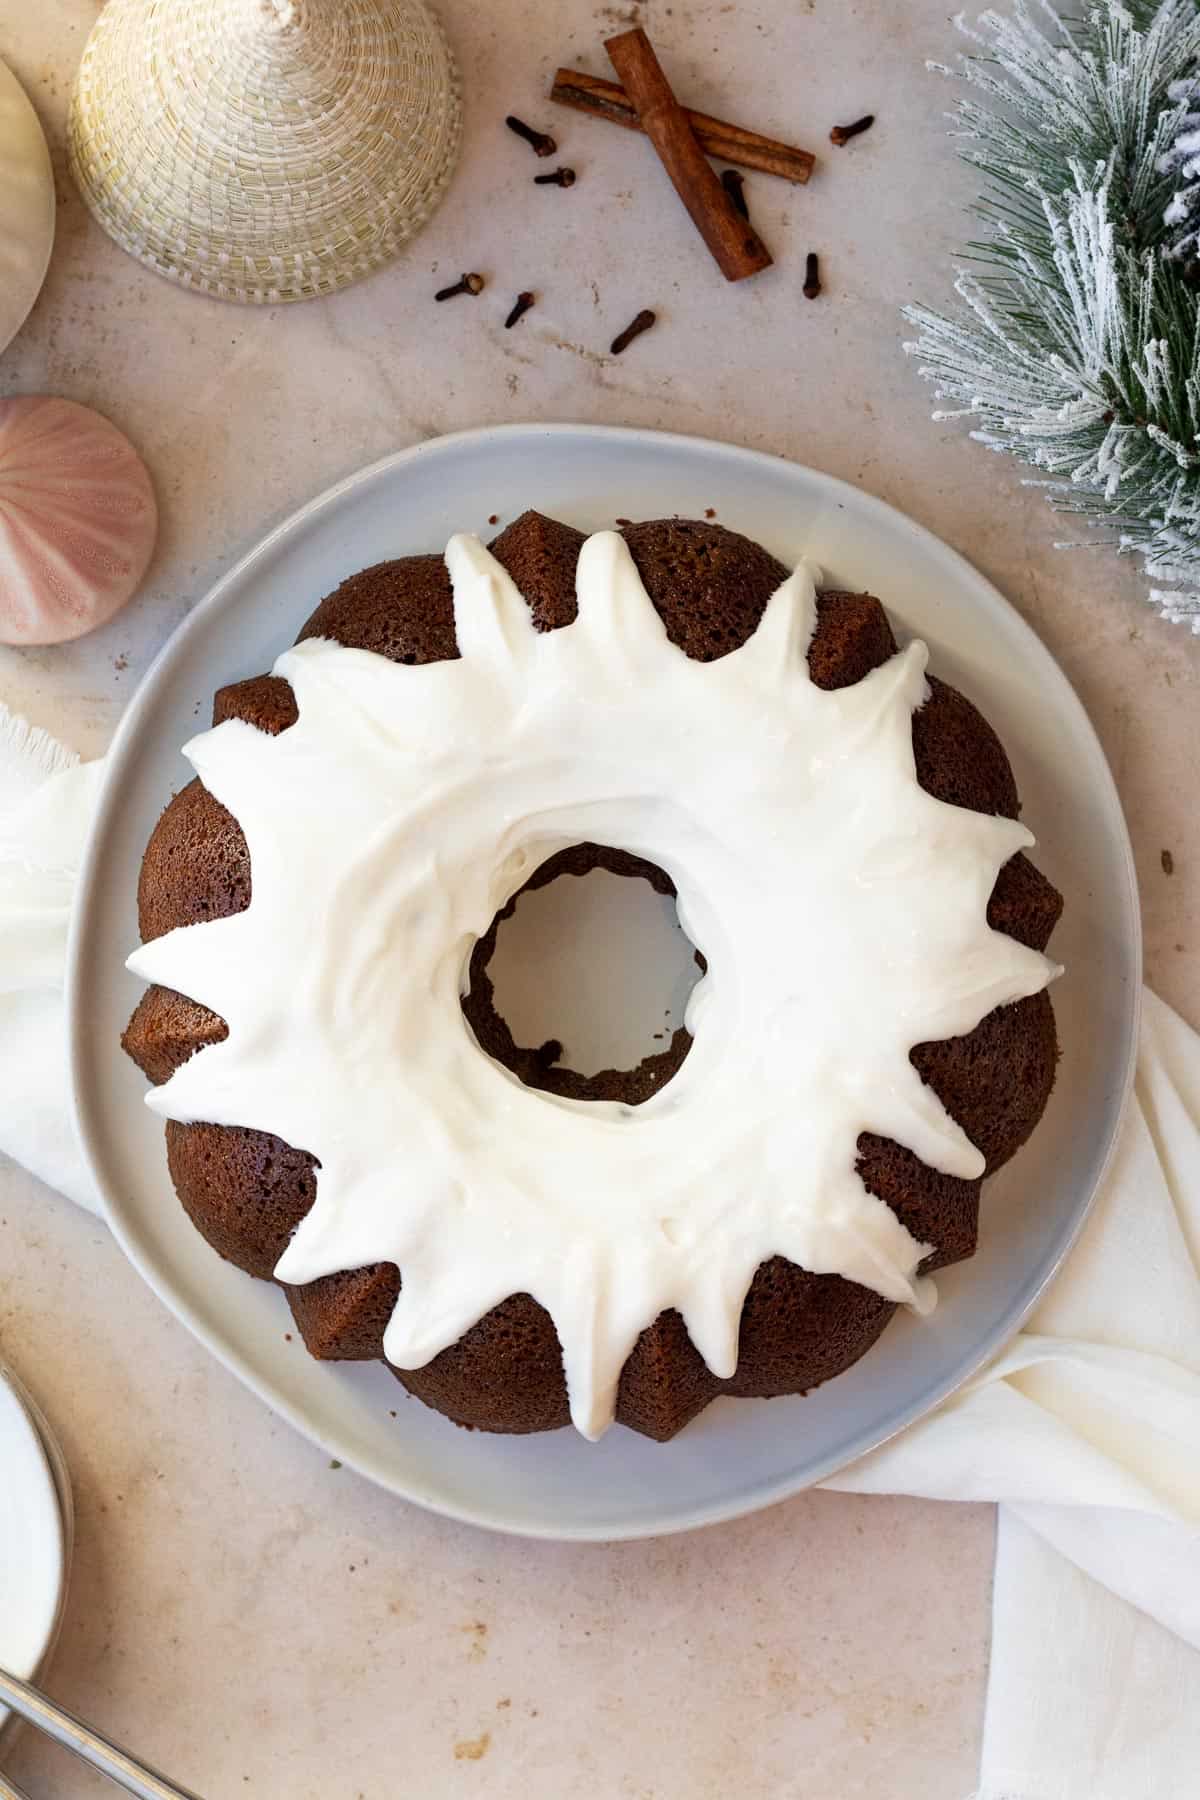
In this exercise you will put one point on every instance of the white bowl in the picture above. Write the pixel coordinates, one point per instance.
(35, 1533)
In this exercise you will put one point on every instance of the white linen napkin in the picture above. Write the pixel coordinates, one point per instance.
(46, 800)
(1086, 1429)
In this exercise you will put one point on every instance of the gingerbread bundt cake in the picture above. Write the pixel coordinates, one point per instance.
(980, 1091)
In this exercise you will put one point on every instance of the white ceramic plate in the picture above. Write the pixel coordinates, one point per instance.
(27, 208)
(34, 1525)
(739, 1454)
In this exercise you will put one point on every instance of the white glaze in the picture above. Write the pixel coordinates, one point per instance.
(841, 909)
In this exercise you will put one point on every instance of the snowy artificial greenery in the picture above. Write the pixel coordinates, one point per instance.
(1079, 347)
(1182, 160)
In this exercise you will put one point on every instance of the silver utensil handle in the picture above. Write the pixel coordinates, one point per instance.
(9, 1792)
(134, 1776)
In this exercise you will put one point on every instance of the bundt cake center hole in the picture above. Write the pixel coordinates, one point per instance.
(581, 984)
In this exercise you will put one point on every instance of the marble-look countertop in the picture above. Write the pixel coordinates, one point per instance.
(252, 1619)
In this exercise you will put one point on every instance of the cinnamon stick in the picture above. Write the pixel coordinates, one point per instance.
(730, 143)
(736, 246)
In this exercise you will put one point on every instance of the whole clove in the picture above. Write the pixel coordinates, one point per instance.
(466, 284)
(540, 142)
(644, 320)
(812, 278)
(556, 178)
(735, 186)
(520, 308)
(841, 134)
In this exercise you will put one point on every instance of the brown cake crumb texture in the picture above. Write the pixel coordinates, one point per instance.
(246, 1191)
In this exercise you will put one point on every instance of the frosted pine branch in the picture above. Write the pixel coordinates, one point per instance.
(1182, 162)
(1077, 344)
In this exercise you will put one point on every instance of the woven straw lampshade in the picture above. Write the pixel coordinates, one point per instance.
(264, 150)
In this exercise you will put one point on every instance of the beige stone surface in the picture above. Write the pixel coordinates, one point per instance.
(256, 1621)
(262, 1624)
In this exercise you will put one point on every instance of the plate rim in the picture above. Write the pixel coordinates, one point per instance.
(120, 752)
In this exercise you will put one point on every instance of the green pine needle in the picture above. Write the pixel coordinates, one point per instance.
(1079, 347)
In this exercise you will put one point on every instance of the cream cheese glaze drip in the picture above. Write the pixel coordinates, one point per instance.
(841, 909)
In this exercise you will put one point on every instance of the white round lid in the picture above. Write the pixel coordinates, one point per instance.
(33, 1559)
(26, 206)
